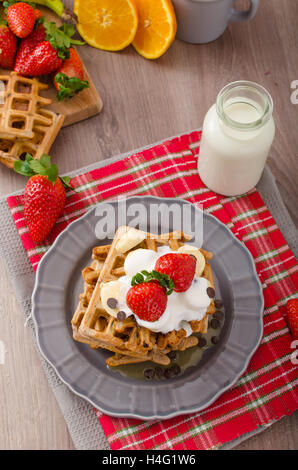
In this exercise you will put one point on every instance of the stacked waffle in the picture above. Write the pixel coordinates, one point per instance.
(94, 325)
(26, 126)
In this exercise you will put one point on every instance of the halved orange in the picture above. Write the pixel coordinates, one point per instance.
(157, 27)
(107, 24)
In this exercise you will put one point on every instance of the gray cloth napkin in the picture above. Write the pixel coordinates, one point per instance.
(79, 415)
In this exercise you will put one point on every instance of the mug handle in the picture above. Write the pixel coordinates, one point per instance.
(245, 15)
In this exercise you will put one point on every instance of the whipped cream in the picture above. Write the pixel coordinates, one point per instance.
(182, 307)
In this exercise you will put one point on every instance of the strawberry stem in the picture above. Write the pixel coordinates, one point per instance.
(163, 279)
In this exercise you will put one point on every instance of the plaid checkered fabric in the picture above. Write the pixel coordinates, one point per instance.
(268, 390)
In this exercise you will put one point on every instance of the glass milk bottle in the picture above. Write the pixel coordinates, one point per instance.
(238, 131)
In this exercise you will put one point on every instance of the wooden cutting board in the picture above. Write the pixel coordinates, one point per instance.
(82, 106)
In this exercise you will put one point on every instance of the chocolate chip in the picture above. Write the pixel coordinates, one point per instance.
(145, 345)
(214, 339)
(168, 373)
(172, 355)
(211, 292)
(218, 303)
(214, 323)
(175, 369)
(121, 315)
(149, 373)
(202, 342)
(112, 303)
(158, 372)
(218, 315)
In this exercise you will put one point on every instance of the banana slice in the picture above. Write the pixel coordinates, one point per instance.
(110, 294)
(192, 250)
(130, 238)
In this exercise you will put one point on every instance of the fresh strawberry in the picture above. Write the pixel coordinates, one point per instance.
(43, 60)
(47, 56)
(44, 197)
(179, 267)
(69, 79)
(27, 46)
(43, 203)
(147, 300)
(37, 13)
(8, 47)
(292, 311)
(21, 19)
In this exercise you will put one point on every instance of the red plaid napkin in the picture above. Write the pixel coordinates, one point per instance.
(268, 389)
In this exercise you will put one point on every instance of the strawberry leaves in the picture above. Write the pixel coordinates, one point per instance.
(61, 38)
(30, 167)
(23, 167)
(69, 86)
(163, 279)
(66, 181)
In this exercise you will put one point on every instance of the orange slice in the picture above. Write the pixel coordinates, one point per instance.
(107, 24)
(157, 27)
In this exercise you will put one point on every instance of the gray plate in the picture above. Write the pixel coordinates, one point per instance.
(59, 281)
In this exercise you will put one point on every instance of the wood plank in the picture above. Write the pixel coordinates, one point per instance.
(85, 104)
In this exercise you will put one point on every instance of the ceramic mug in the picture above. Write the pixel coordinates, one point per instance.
(201, 21)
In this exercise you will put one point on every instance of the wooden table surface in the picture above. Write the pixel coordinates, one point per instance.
(144, 102)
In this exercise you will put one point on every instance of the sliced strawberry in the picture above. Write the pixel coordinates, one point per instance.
(292, 312)
(147, 300)
(21, 19)
(179, 267)
(8, 47)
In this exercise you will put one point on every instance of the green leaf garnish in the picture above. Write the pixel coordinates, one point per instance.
(66, 181)
(61, 38)
(69, 86)
(163, 279)
(23, 167)
(44, 167)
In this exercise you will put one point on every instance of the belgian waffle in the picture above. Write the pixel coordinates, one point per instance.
(131, 343)
(25, 124)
